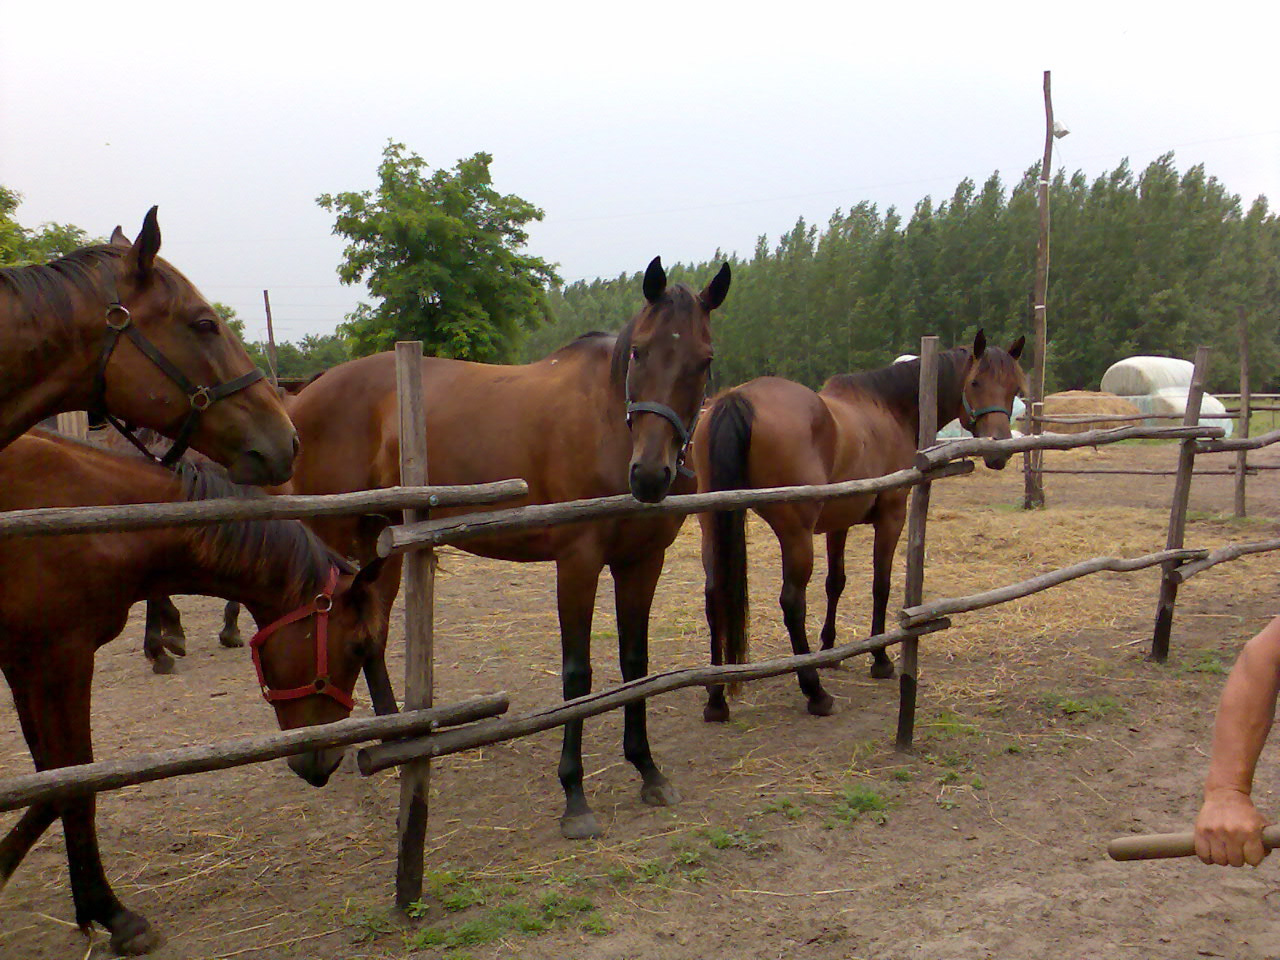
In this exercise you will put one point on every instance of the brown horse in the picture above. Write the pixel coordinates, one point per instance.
(62, 597)
(599, 417)
(117, 330)
(774, 433)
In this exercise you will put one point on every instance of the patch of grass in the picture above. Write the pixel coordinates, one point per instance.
(949, 777)
(1087, 708)
(369, 925)
(948, 724)
(903, 776)
(785, 806)
(744, 840)
(1204, 661)
(552, 909)
(856, 800)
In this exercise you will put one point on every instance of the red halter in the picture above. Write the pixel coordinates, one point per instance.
(321, 685)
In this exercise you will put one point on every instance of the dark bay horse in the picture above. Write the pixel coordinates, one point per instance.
(600, 417)
(116, 329)
(773, 433)
(62, 597)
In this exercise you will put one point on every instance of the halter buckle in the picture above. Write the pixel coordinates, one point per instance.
(324, 603)
(118, 308)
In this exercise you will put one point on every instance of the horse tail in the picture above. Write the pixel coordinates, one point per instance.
(729, 442)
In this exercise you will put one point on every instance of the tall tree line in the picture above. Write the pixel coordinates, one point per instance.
(1153, 263)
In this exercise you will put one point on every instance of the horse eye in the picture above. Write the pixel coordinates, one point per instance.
(205, 325)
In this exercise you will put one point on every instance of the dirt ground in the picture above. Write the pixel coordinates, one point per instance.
(1043, 733)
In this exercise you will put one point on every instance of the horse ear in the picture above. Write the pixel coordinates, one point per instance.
(716, 290)
(979, 345)
(1015, 348)
(655, 280)
(118, 239)
(142, 255)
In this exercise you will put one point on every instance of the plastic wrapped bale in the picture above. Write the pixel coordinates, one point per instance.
(1144, 376)
(1172, 401)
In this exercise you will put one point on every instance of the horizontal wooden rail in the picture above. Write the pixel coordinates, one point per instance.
(1121, 471)
(456, 529)
(1222, 555)
(1238, 443)
(1109, 417)
(941, 453)
(373, 759)
(925, 612)
(141, 516)
(103, 775)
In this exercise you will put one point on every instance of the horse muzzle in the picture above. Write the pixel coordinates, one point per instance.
(317, 766)
(650, 482)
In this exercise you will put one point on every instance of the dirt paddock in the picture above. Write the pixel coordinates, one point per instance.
(1043, 733)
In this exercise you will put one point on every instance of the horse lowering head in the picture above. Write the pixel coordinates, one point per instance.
(182, 370)
(992, 379)
(665, 353)
(308, 661)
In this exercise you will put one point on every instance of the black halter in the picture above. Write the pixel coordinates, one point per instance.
(119, 322)
(661, 409)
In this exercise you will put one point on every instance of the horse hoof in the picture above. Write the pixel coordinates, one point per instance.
(660, 794)
(133, 935)
(163, 664)
(580, 826)
(822, 706)
(175, 645)
(231, 640)
(716, 713)
(882, 669)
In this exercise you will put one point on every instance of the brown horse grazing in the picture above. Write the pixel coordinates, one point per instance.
(775, 433)
(117, 330)
(599, 417)
(62, 597)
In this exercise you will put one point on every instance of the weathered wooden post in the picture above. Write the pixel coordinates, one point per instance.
(913, 590)
(1242, 430)
(419, 600)
(1178, 513)
(1033, 489)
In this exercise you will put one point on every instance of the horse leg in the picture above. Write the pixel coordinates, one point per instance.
(163, 636)
(835, 584)
(54, 713)
(717, 707)
(797, 567)
(35, 820)
(889, 519)
(229, 635)
(634, 585)
(577, 576)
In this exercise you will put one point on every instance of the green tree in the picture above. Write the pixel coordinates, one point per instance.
(441, 252)
(20, 245)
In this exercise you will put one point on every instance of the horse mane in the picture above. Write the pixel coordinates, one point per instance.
(48, 288)
(237, 546)
(897, 386)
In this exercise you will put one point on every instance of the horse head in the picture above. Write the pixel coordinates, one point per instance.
(308, 661)
(666, 352)
(184, 372)
(992, 379)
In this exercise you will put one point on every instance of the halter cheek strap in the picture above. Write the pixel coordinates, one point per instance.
(321, 685)
(973, 414)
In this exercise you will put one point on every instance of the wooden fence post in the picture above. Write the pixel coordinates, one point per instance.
(1033, 481)
(913, 589)
(1178, 514)
(419, 599)
(1242, 419)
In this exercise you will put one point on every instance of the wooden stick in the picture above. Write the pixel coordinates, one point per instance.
(913, 590)
(1242, 456)
(419, 614)
(1178, 514)
(371, 760)
(1103, 471)
(1184, 573)
(1033, 482)
(105, 775)
(1162, 846)
(1014, 591)
(1108, 417)
(950, 450)
(142, 516)
(457, 529)
(1238, 443)
(272, 357)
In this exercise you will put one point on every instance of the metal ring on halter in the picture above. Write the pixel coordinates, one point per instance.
(118, 308)
(200, 399)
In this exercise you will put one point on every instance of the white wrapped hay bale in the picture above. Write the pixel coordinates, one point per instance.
(1143, 376)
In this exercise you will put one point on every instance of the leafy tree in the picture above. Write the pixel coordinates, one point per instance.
(441, 252)
(20, 245)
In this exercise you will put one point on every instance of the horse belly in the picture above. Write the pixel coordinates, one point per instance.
(845, 512)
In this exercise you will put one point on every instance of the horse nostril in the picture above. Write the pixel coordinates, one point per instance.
(296, 443)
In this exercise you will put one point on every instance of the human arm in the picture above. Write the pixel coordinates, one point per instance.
(1229, 828)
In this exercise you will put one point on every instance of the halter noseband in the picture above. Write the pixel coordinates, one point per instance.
(973, 414)
(120, 322)
(321, 685)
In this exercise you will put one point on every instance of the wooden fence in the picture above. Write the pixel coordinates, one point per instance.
(474, 723)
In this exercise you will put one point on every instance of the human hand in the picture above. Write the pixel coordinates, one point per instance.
(1229, 830)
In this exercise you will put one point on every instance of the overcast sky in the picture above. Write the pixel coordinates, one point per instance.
(639, 128)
